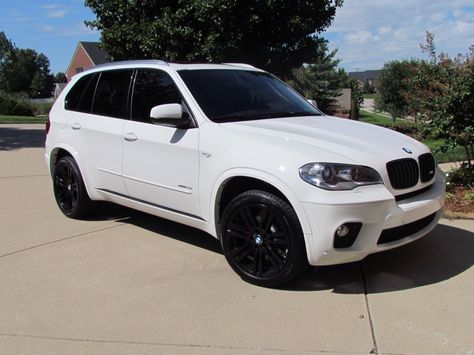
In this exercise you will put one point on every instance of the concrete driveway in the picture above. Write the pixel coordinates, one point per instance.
(128, 283)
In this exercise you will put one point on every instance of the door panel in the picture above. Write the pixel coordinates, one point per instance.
(98, 141)
(97, 138)
(161, 166)
(160, 163)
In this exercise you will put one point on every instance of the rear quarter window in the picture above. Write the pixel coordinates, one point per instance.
(80, 97)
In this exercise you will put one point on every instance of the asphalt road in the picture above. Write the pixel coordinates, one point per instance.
(128, 283)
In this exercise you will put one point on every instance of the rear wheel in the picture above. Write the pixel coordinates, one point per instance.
(262, 239)
(69, 189)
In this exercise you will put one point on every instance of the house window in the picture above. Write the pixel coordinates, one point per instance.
(79, 70)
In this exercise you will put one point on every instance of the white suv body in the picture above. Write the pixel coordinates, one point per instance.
(380, 190)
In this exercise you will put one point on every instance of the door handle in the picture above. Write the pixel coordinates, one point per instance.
(130, 137)
(76, 126)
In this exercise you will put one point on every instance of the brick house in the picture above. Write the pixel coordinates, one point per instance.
(86, 55)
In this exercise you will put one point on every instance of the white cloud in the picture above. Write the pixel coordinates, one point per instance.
(55, 10)
(359, 37)
(56, 13)
(370, 33)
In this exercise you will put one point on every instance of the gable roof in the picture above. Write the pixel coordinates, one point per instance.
(97, 55)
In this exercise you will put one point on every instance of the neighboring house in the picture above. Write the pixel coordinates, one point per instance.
(369, 76)
(58, 87)
(87, 55)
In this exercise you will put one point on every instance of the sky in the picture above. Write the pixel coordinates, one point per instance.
(367, 33)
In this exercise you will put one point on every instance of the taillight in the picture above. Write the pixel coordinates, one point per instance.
(48, 125)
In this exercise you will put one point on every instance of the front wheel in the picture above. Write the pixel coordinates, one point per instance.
(69, 189)
(262, 239)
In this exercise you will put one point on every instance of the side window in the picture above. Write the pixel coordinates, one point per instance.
(152, 88)
(112, 93)
(79, 98)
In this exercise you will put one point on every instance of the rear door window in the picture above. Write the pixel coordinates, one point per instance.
(111, 95)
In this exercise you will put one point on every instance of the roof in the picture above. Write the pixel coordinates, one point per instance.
(365, 75)
(97, 55)
(173, 66)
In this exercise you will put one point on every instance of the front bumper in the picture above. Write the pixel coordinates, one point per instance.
(381, 215)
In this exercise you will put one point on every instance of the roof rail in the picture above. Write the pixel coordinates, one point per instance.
(139, 61)
(242, 65)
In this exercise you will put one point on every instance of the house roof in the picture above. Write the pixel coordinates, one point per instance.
(365, 75)
(97, 55)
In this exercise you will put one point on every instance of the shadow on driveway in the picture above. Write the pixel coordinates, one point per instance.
(16, 138)
(442, 254)
(168, 229)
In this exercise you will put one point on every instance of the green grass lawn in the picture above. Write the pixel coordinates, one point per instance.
(22, 119)
(453, 154)
(375, 118)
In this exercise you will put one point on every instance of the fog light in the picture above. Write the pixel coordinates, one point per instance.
(342, 231)
(346, 234)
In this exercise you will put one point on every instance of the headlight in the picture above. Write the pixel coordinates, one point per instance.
(330, 176)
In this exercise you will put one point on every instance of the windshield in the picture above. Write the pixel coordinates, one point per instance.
(238, 95)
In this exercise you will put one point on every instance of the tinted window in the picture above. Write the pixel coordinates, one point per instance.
(112, 93)
(79, 98)
(152, 88)
(236, 95)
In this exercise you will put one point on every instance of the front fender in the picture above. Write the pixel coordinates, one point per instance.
(265, 177)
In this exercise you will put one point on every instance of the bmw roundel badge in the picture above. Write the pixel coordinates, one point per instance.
(406, 150)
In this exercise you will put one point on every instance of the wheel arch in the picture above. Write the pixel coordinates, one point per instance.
(62, 150)
(232, 183)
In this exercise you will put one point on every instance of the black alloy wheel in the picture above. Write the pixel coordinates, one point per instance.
(69, 190)
(262, 239)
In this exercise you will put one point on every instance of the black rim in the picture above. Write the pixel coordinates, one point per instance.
(66, 188)
(258, 240)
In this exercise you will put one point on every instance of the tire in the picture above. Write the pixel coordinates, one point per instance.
(262, 239)
(69, 189)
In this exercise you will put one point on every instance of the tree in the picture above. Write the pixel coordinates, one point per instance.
(273, 35)
(392, 87)
(60, 78)
(321, 80)
(6, 47)
(24, 70)
(442, 91)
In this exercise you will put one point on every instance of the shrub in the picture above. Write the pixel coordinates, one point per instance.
(41, 108)
(462, 177)
(14, 105)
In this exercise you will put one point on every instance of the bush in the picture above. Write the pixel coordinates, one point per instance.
(41, 108)
(14, 105)
(462, 177)
(406, 127)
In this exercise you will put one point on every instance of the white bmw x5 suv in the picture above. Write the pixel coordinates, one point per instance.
(232, 150)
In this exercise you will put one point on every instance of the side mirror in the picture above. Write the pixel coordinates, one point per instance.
(170, 115)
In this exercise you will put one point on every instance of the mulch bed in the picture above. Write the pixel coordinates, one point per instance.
(457, 205)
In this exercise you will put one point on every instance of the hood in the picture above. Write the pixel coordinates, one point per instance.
(355, 142)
